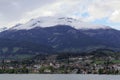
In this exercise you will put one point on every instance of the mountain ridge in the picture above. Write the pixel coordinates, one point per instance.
(59, 38)
(59, 35)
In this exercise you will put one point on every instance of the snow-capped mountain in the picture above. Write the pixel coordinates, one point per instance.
(53, 21)
(49, 34)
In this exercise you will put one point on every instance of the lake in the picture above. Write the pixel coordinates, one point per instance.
(57, 77)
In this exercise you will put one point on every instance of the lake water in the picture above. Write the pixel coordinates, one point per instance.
(57, 77)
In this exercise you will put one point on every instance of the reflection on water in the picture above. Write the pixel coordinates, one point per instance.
(57, 77)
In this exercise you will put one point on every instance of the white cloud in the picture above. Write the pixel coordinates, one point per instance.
(67, 8)
(115, 17)
(97, 9)
(47, 10)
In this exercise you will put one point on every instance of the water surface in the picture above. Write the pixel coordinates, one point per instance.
(57, 77)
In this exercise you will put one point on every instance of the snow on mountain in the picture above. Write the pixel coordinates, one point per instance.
(53, 21)
(3, 29)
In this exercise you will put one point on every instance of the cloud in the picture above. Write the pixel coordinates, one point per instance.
(99, 9)
(67, 8)
(14, 11)
(115, 17)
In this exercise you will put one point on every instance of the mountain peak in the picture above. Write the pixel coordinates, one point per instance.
(53, 21)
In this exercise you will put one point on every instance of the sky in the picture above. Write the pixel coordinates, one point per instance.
(105, 12)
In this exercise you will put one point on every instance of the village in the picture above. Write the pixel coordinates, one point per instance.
(71, 65)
